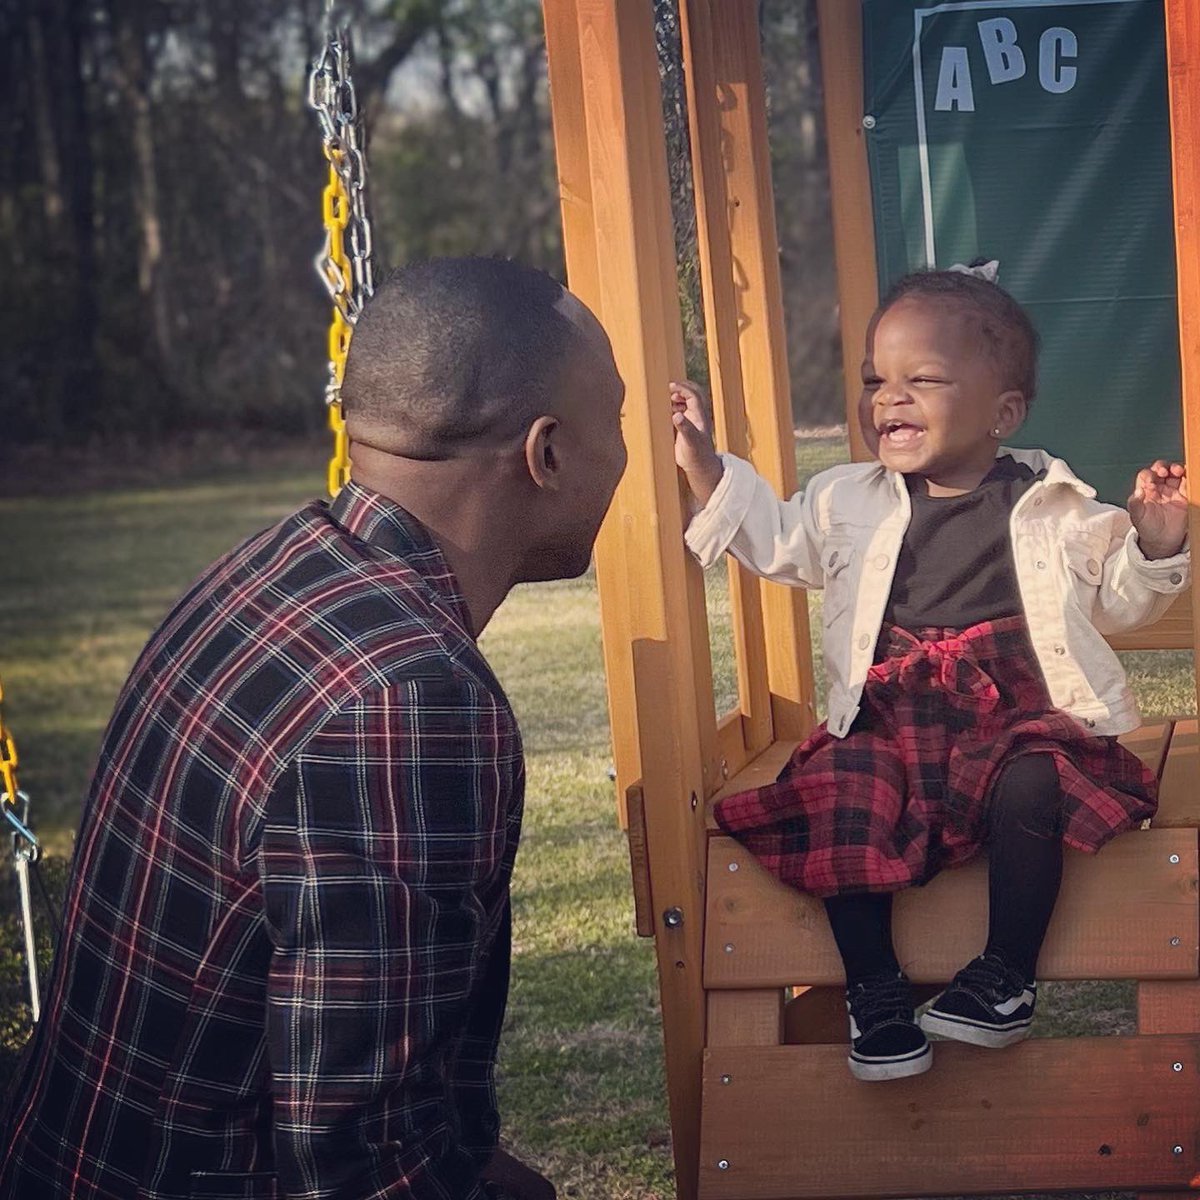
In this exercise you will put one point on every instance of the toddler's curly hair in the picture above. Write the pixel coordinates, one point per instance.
(1004, 325)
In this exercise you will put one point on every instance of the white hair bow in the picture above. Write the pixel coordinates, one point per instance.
(987, 270)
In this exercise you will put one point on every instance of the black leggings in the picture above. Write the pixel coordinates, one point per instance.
(1025, 859)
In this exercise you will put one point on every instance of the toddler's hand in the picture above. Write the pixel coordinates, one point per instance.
(1159, 508)
(695, 453)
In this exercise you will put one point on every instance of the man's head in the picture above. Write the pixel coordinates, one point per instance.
(485, 364)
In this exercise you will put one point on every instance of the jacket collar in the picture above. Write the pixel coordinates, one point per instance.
(1053, 470)
(383, 524)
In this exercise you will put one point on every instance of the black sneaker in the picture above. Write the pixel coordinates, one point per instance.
(887, 1043)
(986, 1004)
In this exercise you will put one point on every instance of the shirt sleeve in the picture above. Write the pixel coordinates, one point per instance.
(384, 867)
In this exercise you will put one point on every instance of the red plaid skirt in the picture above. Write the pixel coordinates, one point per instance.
(905, 793)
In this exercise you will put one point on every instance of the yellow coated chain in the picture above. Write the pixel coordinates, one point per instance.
(336, 208)
(8, 759)
(345, 270)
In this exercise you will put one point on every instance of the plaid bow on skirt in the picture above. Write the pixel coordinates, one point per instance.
(905, 793)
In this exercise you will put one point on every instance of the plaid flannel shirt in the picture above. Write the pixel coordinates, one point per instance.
(286, 944)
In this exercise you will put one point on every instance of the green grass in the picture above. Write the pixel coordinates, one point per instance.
(88, 575)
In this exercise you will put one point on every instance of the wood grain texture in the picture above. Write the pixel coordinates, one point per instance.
(746, 1018)
(1081, 1114)
(1116, 918)
(1179, 783)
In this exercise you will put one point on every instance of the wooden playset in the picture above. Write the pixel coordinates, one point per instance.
(761, 1102)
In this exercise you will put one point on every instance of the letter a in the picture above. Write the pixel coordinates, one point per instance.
(954, 81)
(1005, 59)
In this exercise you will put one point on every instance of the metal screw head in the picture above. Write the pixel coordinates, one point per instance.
(1177, 1150)
(1174, 858)
(726, 1078)
(868, 122)
(1177, 1066)
(728, 947)
(673, 918)
(1176, 941)
(723, 1165)
(733, 866)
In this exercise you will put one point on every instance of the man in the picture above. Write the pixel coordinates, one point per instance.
(286, 952)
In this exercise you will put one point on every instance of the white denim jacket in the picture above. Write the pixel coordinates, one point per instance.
(1079, 567)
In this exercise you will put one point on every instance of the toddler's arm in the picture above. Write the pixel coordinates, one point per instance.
(1148, 565)
(738, 510)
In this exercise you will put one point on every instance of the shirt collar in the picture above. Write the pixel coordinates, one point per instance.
(1053, 470)
(384, 525)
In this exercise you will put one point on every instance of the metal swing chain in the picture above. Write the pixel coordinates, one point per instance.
(14, 807)
(347, 276)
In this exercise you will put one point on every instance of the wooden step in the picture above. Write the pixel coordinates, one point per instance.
(1129, 912)
(1077, 1114)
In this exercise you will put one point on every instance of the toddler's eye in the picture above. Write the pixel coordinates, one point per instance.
(871, 384)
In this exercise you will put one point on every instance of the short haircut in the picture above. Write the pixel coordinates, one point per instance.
(454, 351)
(1004, 325)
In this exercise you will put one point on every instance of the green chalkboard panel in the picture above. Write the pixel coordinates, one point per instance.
(1037, 133)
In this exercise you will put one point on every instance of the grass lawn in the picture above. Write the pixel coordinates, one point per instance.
(89, 574)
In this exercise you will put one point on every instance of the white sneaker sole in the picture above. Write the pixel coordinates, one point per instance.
(960, 1030)
(878, 1070)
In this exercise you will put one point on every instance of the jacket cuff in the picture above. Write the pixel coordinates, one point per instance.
(715, 525)
(1166, 575)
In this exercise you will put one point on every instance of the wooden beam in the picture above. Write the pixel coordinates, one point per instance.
(1074, 1114)
(739, 246)
(1172, 631)
(1183, 91)
(745, 1018)
(840, 27)
(569, 116)
(672, 686)
(1127, 913)
(724, 356)
(1179, 783)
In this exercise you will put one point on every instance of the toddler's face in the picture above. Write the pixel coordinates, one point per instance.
(932, 394)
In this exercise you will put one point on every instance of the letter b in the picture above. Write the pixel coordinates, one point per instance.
(1005, 59)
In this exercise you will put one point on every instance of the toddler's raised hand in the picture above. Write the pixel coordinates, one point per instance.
(695, 453)
(1159, 507)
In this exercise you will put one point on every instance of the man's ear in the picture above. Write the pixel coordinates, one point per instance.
(542, 457)
(1011, 409)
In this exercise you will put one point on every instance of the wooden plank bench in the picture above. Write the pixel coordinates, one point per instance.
(1129, 912)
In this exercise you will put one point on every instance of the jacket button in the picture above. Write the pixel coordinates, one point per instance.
(1090, 723)
(882, 561)
(1041, 566)
(1176, 577)
(833, 559)
(1038, 502)
(1060, 649)
(864, 641)
(1093, 567)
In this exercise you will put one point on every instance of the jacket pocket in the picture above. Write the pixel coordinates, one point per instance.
(1085, 573)
(230, 1185)
(837, 560)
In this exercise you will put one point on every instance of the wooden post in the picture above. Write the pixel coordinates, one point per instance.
(1183, 88)
(840, 26)
(1175, 1007)
(739, 249)
(607, 92)
(583, 278)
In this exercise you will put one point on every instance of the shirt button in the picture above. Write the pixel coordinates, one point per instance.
(881, 561)
(1041, 566)
(1176, 577)
(864, 641)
